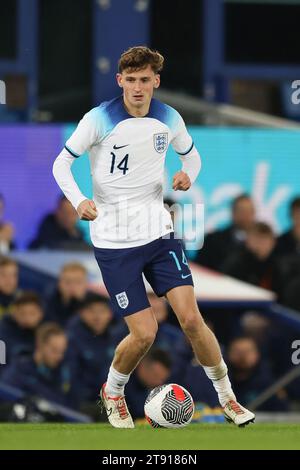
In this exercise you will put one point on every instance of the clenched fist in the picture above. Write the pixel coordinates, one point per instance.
(181, 181)
(87, 210)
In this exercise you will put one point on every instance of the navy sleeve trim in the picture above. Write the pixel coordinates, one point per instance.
(185, 153)
(75, 155)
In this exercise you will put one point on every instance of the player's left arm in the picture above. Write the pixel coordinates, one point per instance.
(183, 144)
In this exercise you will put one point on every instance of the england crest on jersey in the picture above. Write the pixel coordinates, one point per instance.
(160, 142)
(122, 300)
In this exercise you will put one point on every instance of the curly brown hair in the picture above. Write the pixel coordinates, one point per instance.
(139, 57)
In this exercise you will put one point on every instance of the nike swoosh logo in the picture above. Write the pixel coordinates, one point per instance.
(115, 147)
(108, 411)
(184, 277)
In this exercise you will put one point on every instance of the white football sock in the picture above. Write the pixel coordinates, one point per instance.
(115, 383)
(220, 380)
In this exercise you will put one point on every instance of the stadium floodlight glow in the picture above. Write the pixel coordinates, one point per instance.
(2, 92)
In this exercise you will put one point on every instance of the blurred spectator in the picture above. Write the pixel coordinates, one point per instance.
(188, 372)
(223, 243)
(59, 231)
(9, 274)
(250, 376)
(289, 242)
(167, 334)
(6, 231)
(18, 329)
(45, 374)
(152, 371)
(274, 340)
(256, 262)
(71, 290)
(91, 347)
(291, 294)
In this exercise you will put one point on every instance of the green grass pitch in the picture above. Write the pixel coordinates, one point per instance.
(102, 436)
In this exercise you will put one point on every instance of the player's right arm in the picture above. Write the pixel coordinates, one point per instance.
(183, 144)
(82, 139)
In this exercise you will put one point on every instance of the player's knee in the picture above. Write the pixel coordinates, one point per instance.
(144, 339)
(192, 322)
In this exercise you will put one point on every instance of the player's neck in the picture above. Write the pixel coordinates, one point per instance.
(135, 111)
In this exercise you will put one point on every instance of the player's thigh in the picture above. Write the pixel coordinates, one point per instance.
(122, 276)
(168, 267)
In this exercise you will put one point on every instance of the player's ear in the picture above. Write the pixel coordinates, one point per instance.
(119, 79)
(157, 81)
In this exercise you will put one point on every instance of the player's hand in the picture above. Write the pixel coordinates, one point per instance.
(181, 181)
(87, 210)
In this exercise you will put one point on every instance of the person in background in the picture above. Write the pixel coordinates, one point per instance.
(6, 231)
(72, 288)
(220, 244)
(256, 262)
(272, 336)
(59, 231)
(187, 372)
(250, 375)
(288, 251)
(153, 370)
(167, 334)
(91, 347)
(18, 328)
(289, 242)
(45, 374)
(9, 277)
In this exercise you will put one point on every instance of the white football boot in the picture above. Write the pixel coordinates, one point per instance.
(237, 414)
(116, 410)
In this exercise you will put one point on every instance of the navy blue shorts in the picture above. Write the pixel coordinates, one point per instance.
(162, 261)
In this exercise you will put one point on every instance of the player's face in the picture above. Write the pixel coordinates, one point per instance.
(138, 86)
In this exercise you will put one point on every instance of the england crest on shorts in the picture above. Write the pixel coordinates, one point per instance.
(160, 142)
(122, 300)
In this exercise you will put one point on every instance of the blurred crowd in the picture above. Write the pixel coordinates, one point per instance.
(59, 345)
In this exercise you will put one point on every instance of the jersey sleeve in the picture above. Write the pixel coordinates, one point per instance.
(181, 141)
(85, 135)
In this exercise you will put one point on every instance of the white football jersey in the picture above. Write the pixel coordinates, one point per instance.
(127, 157)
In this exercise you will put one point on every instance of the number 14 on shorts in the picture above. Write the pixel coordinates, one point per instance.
(177, 262)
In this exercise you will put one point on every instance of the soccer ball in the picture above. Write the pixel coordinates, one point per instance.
(169, 406)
